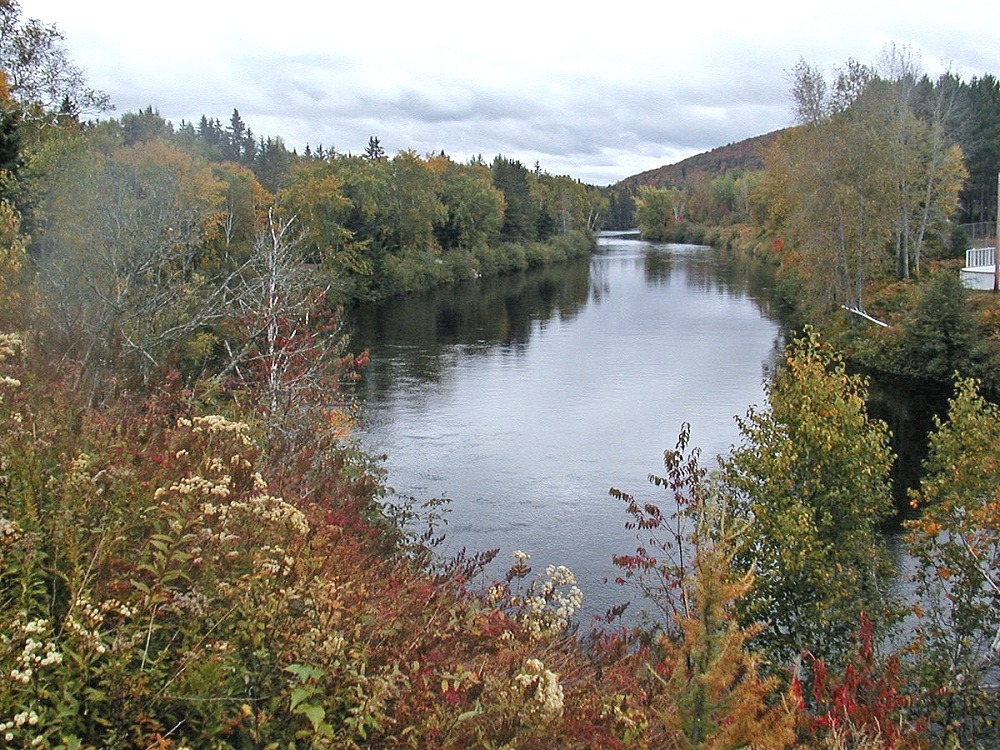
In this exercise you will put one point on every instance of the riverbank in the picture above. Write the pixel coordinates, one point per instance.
(935, 329)
(418, 269)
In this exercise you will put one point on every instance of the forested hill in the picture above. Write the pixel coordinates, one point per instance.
(745, 155)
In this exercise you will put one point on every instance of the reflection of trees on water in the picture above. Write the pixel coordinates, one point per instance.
(908, 409)
(711, 269)
(420, 335)
(658, 266)
(425, 331)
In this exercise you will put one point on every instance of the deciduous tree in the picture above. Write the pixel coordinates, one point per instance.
(707, 689)
(314, 196)
(658, 211)
(39, 73)
(956, 545)
(119, 256)
(12, 258)
(412, 207)
(286, 348)
(811, 478)
(245, 210)
(475, 208)
(863, 183)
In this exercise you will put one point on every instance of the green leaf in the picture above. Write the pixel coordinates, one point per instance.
(300, 693)
(304, 671)
(470, 714)
(314, 713)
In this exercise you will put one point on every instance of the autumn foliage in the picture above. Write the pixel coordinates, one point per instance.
(195, 553)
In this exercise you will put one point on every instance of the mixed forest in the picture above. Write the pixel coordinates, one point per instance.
(195, 553)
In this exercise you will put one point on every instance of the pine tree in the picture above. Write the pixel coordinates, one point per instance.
(374, 150)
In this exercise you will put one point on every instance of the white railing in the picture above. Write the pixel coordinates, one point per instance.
(977, 257)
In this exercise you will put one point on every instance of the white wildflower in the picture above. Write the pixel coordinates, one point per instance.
(541, 686)
(10, 345)
(216, 424)
(548, 605)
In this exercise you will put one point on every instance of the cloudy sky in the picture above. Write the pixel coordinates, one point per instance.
(598, 91)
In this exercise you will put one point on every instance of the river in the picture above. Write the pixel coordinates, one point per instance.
(524, 399)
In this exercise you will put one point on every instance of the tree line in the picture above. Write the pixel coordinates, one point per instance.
(356, 209)
(905, 128)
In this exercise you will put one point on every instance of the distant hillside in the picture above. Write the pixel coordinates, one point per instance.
(742, 155)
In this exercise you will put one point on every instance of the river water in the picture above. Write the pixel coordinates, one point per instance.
(524, 399)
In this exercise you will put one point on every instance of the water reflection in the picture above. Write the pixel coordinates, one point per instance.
(424, 330)
(524, 399)
(908, 410)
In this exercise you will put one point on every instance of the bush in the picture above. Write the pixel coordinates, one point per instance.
(460, 265)
(164, 582)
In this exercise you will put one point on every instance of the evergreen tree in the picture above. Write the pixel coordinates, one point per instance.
(374, 149)
(10, 143)
(235, 137)
(144, 125)
(520, 215)
(272, 163)
(982, 148)
(941, 337)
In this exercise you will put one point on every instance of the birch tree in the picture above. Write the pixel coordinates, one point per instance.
(927, 168)
(286, 349)
(863, 185)
(39, 73)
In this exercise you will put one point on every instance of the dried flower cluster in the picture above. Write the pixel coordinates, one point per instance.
(541, 688)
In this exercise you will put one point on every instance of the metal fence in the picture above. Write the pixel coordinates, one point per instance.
(980, 233)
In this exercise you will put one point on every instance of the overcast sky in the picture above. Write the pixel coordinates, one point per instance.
(599, 91)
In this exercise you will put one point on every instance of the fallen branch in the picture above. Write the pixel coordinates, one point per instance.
(865, 315)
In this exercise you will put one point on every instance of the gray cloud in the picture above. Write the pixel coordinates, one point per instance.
(599, 95)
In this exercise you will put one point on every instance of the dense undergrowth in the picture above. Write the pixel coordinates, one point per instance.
(167, 584)
(416, 270)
